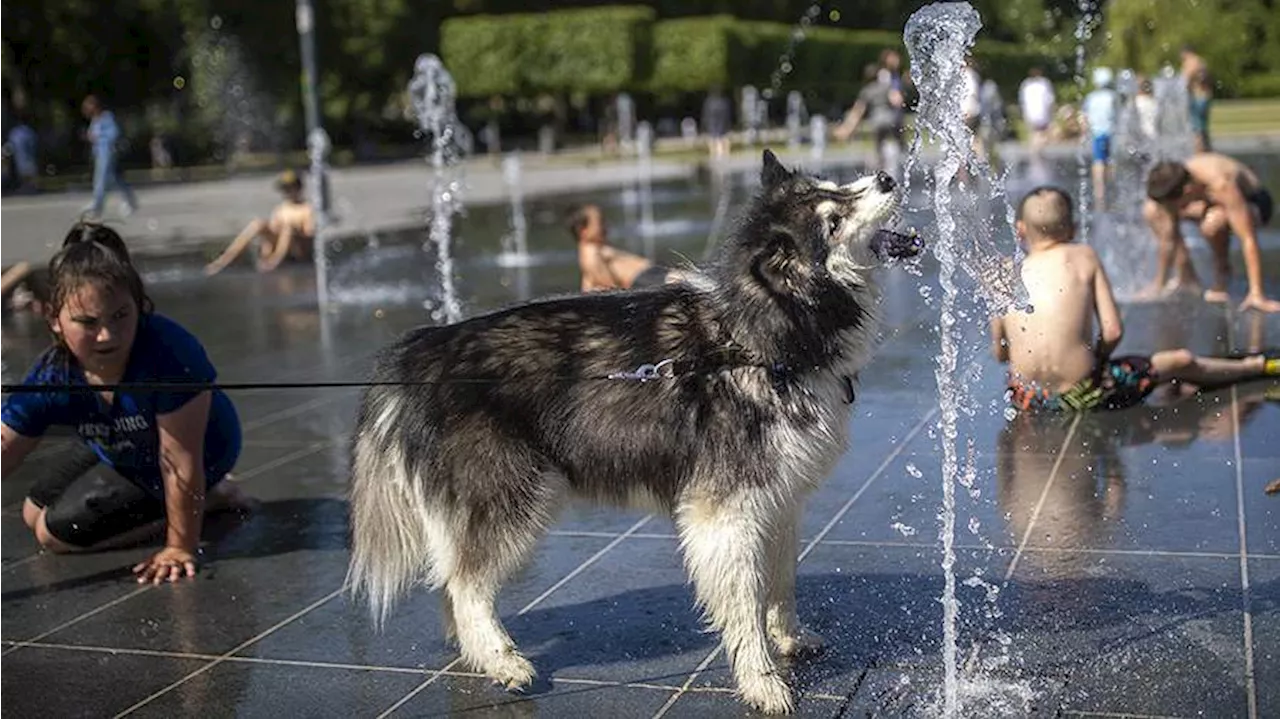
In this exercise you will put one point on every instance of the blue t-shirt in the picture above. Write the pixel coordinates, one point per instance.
(125, 435)
(1100, 111)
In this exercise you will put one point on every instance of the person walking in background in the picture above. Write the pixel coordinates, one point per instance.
(22, 145)
(1100, 109)
(1036, 100)
(1200, 95)
(103, 133)
(717, 116)
(992, 121)
(875, 106)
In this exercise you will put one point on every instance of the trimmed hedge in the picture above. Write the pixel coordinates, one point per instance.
(606, 50)
(692, 54)
(597, 50)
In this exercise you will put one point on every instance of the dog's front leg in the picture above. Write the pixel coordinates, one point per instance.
(785, 630)
(725, 549)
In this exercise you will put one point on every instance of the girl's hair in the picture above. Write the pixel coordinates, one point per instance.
(93, 254)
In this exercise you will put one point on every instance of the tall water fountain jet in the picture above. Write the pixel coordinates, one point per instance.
(1084, 31)
(796, 116)
(818, 138)
(644, 150)
(433, 94)
(515, 244)
(318, 153)
(626, 108)
(938, 37)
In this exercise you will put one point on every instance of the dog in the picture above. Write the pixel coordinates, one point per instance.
(475, 433)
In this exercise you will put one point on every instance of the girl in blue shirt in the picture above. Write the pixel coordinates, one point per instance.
(147, 456)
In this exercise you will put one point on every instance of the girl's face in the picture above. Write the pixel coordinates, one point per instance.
(98, 327)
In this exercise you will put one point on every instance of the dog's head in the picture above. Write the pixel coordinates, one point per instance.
(801, 232)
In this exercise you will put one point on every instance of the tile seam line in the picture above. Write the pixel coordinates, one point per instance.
(76, 620)
(223, 657)
(435, 676)
(1044, 495)
(165, 654)
(1246, 600)
(893, 455)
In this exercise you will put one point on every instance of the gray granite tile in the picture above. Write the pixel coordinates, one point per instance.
(41, 681)
(466, 696)
(243, 689)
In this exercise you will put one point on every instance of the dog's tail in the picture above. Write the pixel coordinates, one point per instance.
(392, 522)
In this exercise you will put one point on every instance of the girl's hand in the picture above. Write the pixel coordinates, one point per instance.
(168, 565)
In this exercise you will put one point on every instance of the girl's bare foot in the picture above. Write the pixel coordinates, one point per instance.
(1274, 487)
(1216, 296)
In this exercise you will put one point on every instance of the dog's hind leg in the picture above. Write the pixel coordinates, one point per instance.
(483, 641)
(724, 549)
(785, 630)
(507, 512)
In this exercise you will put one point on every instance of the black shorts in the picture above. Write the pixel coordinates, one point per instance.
(655, 276)
(1261, 199)
(87, 502)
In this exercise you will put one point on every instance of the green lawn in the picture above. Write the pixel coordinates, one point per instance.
(1245, 117)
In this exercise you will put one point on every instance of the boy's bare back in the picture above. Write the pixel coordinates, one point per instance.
(1055, 346)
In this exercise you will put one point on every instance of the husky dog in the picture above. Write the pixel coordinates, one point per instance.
(501, 418)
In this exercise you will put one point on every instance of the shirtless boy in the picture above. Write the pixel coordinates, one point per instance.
(1225, 197)
(605, 267)
(289, 232)
(1056, 361)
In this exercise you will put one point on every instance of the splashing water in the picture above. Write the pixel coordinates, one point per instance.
(938, 37)
(515, 244)
(1159, 130)
(433, 93)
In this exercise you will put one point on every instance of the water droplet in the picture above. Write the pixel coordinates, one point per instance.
(913, 470)
(903, 529)
(974, 525)
(1010, 413)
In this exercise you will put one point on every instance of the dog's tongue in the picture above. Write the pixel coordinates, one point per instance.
(889, 244)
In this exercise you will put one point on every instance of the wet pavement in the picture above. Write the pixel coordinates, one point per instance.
(1119, 564)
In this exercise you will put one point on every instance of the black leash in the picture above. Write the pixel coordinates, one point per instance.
(667, 369)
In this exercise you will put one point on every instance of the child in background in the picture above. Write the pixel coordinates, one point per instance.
(146, 457)
(288, 234)
(1056, 360)
(1100, 108)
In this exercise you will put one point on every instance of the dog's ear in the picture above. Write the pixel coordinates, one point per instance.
(773, 174)
(780, 266)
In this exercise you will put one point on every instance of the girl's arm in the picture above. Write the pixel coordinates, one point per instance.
(15, 448)
(182, 467)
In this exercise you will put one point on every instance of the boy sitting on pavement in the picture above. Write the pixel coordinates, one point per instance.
(1056, 362)
(605, 267)
(288, 234)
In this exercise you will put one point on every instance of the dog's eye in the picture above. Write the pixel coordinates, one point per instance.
(833, 223)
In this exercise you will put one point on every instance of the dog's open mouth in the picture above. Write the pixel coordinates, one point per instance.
(894, 245)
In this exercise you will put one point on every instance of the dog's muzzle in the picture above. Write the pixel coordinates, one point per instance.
(890, 245)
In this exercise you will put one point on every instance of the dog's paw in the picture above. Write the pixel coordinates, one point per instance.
(768, 693)
(512, 671)
(799, 643)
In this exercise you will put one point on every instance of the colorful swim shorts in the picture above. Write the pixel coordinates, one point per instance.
(1121, 382)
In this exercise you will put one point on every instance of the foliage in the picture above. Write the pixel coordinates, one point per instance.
(1237, 39)
(597, 50)
(692, 54)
